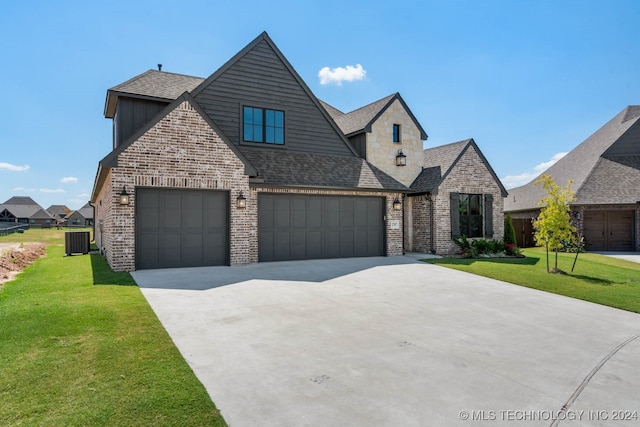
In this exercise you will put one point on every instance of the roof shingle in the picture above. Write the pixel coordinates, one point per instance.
(597, 177)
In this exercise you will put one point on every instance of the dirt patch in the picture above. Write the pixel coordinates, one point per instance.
(14, 257)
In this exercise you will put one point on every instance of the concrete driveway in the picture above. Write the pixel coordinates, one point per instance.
(396, 342)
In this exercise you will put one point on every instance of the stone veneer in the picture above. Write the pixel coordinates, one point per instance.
(182, 151)
(382, 151)
(469, 175)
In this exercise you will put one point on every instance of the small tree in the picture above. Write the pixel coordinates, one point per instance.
(553, 226)
(510, 242)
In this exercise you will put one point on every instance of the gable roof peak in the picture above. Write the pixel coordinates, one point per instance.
(361, 119)
(631, 112)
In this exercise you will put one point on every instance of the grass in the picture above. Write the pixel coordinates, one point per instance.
(80, 346)
(596, 278)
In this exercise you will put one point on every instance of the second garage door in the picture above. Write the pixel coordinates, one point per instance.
(608, 230)
(292, 227)
(181, 228)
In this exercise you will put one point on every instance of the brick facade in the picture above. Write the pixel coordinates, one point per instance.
(182, 151)
(469, 175)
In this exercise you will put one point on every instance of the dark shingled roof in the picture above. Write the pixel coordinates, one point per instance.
(56, 210)
(21, 206)
(605, 168)
(86, 211)
(439, 161)
(333, 111)
(151, 84)
(358, 120)
(280, 167)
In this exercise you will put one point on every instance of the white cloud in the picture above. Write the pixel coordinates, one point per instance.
(511, 181)
(341, 74)
(13, 168)
(49, 190)
(69, 180)
(25, 190)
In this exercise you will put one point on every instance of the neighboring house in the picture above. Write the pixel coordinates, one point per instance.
(59, 211)
(83, 217)
(248, 165)
(24, 210)
(605, 170)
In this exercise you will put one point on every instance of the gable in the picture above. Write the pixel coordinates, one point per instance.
(462, 159)
(259, 76)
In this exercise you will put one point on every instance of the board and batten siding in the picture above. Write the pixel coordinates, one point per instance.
(131, 115)
(261, 79)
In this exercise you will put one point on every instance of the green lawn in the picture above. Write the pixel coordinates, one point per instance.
(596, 278)
(80, 346)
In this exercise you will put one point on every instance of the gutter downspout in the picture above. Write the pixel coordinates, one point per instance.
(431, 224)
(403, 225)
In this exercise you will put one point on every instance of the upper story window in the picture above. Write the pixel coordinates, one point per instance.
(470, 210)
(396, 133)
(263, 125)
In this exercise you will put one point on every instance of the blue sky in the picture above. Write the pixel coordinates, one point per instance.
(526, 79)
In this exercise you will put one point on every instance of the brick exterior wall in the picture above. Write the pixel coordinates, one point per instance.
(382, 151)
(180, 152)
(469, 175)
(420, 240)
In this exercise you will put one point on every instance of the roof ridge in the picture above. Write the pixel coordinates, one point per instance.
(631, 112)
(388, 97)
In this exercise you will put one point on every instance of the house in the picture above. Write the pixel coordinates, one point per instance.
(83, 217)
(59, 211)
(455, 191)
(605, 169)
(24, 210)
(248, 165)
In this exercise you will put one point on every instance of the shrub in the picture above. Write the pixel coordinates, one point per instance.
(509, 231)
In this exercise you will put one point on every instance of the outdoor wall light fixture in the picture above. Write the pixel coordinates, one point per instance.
(397, 205)
(241, 201)
(401, 159)
(124, 196)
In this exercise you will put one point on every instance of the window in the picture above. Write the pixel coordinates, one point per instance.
(262, 125)
(470, 211)
(396, 133)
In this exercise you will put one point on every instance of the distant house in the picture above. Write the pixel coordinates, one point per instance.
(59, 211)
(248, 165)
(24, 210)
(83, 217)
(605, 170)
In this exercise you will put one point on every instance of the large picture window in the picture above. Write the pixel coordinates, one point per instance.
(470, 211)
(263, 125)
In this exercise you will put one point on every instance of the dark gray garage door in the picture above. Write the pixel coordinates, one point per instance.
(608, 230)
(181, 228)
(294, 227)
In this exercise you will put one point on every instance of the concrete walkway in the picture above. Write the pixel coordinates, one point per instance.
(394, 342)
(629, 256)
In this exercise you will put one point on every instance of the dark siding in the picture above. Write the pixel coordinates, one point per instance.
(359, 143)
(627, 145)
(260, 79)
(131, 115)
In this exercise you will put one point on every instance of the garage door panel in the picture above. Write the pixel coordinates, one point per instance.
(312, 227)
(608, 230)
(181, 228)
